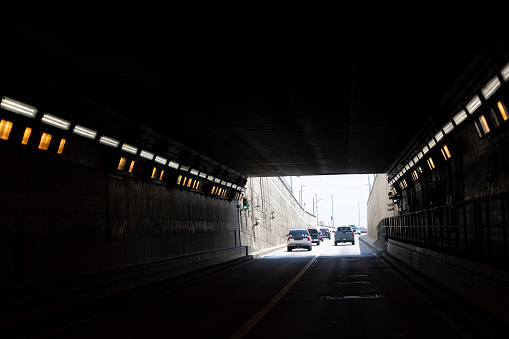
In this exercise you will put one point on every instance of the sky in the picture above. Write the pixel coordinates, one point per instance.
(350, 198)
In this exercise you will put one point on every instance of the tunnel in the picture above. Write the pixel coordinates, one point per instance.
(143, 158)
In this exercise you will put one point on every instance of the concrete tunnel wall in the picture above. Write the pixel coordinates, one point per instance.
(61, 220)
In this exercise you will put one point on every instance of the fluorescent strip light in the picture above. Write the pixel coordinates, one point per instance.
(432, 143)
(473, 104)
(211, 178)
(109, 141)
(18, 107)
(160, 160)
(420, 155)
(459, 117)
(173, 164)
(203, 175)
(129, 149)
(505, 72)
(184, 168)
(425, 149)
(491, 87)
(55, 121)
(439, 136)
(84, 132)
(194, 171)
(229, 184)
(448, 127)
(217, 180)
(146, 155)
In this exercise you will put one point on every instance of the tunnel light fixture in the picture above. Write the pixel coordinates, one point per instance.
(460, 117)
(129, 149)
(45, 141)
(505, 72)
(491, 87)
(55, 121)
(61, 146)
(5, 129)
(217, 180)
(131, 166)
(431, 164)
(84, 132)
(484, 124)
(26, 136)
(161, 175)
(173, 164)
(473, 104)
(194, 171)
(425, 149)
(448, 127)
(109, 141)
(202, 175)
(154, 173)
(432, 143)
(502, 110)
(229, 184)
(18, 107)
(439, 136)
(445, 152)
(184, 168)
(210, 177)
(420, 155)
(416, 159)
(146, 155)
(160, 160)
(121, 164)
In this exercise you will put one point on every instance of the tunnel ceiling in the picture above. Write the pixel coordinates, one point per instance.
(345, 98)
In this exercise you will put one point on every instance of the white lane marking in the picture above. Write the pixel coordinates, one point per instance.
(258, 316)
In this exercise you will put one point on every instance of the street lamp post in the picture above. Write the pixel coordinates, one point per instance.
(316, 202)
(332, 217)
(300, 195)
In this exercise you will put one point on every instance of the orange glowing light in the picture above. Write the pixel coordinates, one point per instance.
(61, 146)
(5, 129)
(26, 136)
(45, 140)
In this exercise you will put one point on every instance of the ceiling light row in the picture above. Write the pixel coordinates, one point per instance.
(490, 88)
(21, 108)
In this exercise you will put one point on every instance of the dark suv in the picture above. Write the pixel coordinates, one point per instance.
(344, 234)
(325, 232)
(313, 232)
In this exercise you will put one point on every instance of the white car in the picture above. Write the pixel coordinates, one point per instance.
(299, 238)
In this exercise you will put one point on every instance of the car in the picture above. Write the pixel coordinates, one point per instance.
(364, 229)
(325, 232)
(315, 238)
(299, 238)
(356, 229)
(320, 235)
(344, 234)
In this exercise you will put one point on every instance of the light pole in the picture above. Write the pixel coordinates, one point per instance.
(332, 217)
(316, 202)
(300, 195)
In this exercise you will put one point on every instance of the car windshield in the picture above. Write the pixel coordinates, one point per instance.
(344, 229)
(299, 233)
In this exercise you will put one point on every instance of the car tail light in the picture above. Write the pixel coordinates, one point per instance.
(288, 239)
(353, 234)
(309, 238)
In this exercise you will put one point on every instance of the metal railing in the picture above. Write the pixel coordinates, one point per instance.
(475, 230)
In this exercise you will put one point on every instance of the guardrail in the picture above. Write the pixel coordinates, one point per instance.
(475, 230)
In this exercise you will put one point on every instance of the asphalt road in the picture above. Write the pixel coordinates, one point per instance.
(345, 290)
